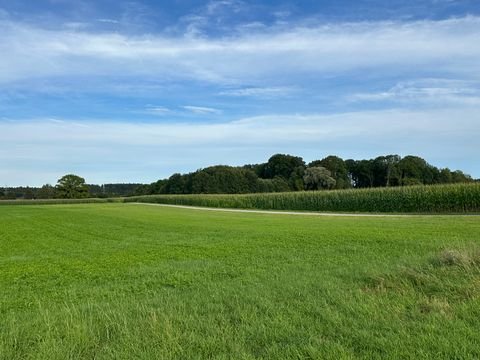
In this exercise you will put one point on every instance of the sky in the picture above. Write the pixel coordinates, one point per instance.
(134, 91)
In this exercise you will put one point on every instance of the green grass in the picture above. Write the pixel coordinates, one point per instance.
(456, 198)
(59, 201)
(126, 281)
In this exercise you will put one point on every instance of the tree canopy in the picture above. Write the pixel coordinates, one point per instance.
(317, 178)
(71, 187)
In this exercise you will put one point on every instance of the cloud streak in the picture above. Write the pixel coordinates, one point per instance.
(427, 91)
(202, 110)
(261, 92)
(452, 45)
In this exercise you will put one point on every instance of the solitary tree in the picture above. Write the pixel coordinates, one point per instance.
(318, 177)
(72, 187)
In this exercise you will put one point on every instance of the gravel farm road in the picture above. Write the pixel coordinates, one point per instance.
(301, 213)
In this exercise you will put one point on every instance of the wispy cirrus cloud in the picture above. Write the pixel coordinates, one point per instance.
(448, 45)
(187, 109)
(427, 91)
(216, 13)
(108, 21)
(261, 92)
(158, 110)
(202, 110)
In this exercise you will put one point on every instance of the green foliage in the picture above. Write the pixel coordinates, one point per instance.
(457, 198)
(337, 168)
(223, 180)
(71, 187)
(283, 166)
(113, 190)
(361, 172)
(317, 178)
(281, 173)
(117, 281)
(277, 184)
(47, 191)
(383, 171)
(386, 171)
(414, 169)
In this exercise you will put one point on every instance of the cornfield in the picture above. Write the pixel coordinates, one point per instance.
(453, 198)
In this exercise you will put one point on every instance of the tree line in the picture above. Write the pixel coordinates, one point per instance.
(281, 173)
(68, 187)
(291, 173)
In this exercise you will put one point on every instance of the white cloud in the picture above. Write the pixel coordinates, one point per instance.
(448, 45)
(427, 91)
(74, 25)
(158, 110)
(201, 109)
(102, 151)
(262, 92)
(109, 21)
(215, 6)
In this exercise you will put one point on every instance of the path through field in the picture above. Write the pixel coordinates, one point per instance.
(302, 213)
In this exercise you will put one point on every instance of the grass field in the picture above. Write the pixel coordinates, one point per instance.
(128, 281)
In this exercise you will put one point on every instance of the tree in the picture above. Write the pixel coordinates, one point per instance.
(282, 165)
(414, 170)
(337, 167)
(71, 187)
(277, 184)
(176, 184)
(295, 181)
(360, 172)
(47, 191)
(385, 170)
(318, 177)
(459, 177)
(223, 179)
(28, 193)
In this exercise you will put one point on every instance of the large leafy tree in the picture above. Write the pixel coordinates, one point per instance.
(317, 178)
(361, 172)
(337, 167)
(282, 165)
(176, 184)
(414, 170)
(385, 170)
(71, 187)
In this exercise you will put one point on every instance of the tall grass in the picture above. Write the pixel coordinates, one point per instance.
(453, 198)
(112, 281)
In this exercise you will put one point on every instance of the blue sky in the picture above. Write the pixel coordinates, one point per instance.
(133, 91)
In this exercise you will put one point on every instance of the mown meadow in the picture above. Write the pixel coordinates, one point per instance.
(129, 281)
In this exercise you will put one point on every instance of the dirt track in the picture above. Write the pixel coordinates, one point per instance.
(273, 212)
